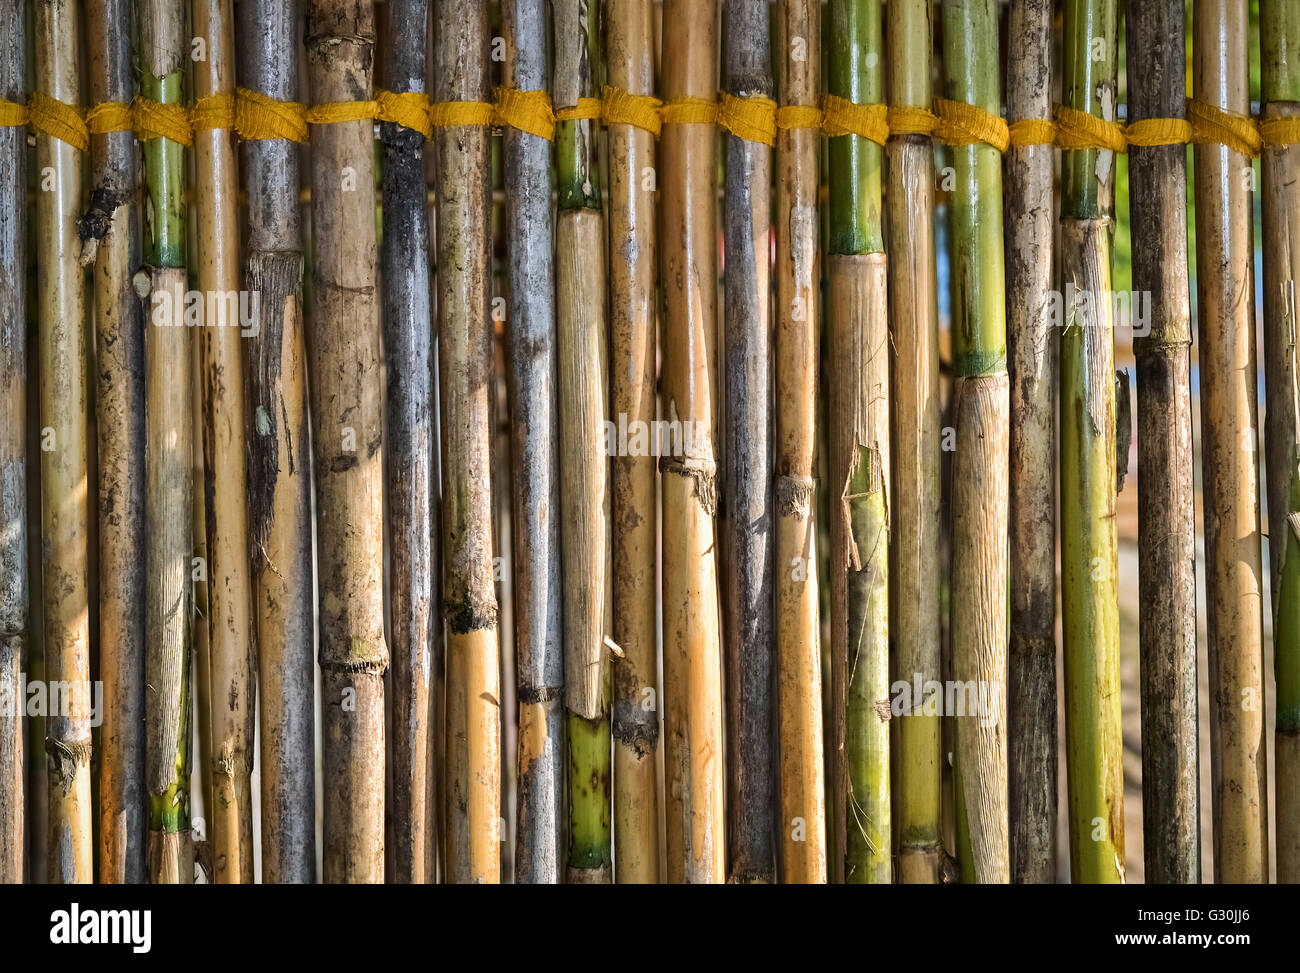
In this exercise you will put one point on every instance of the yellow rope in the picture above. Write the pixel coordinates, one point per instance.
(752, 119)
(1212, 125)
(259, 117)
(963, 124)
(528, 111)
(1032, 131)
(910, 120)
(213, 111)
(410, 109)
(110, 116)
(843, 117)
(689, 111)
(619, 107)
(798, 116)
(1279, 132)
(1158, 131)
(446, 114)
(584, 109)
(57, 119)
(154, 120)
(1077, 130)
(13, 114)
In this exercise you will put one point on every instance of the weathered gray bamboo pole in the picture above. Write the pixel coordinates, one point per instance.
(13, 439)
(110, 230)
(279, 457)
(1157, 66)
(408, 348)
(747, 524)
(347, 437)
(1031, 361)
(473, 722)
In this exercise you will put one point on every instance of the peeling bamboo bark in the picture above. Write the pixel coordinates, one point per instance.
(694, 785)
(628, 57)
(1157, 66)
(347, 436)
(539, 658)
(473, 720)
(914, 323)
(1279, 33)
(14, 634)
(1031, 343)
(279, 459)
(1225, 287)
(802, 821)
(408, 347)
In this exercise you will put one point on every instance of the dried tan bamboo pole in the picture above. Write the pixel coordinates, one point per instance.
(279, 458)
(914, 323)
(1225, 288)
(231, 638)
(347, 433)
(110, 229)
(691, 642)
(802, 822)
(65, 510)
(473, 721)
(14, 635)
(629, 55)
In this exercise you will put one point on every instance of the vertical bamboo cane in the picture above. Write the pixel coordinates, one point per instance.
(860, 461)
(798, 278)
(584, 464)
(408, 347)
(279, 458)
(231, 638)
(473, 789)
(346, 435)
(747, 546)
(914, 324)
(1157, 65)
(692, 645)
(1225, 288)
(1031, 343)
(1089, 556)
(629, 62)
(168, 441)
(1279, 34)
(13, 442)
(539, 658)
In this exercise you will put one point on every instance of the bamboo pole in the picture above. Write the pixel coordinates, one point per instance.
(408, 348)
(802, 821)
(629, 63)
(346, 435)
(1279, 34)
(473, 789)
(1089, 556)
(914, 324)
(110, 230)
(584, 464)
(1157, 65)
(981, 400)
(231, 638)
(1031, 344)
(14, 634)
(859, 461)
(169, 393)
(1226, 309)
(279, 458)
(691, 640)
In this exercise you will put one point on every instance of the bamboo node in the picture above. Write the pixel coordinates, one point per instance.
(619, 107)
(527, 111)
(843, 117)
(963, 124)
(258, 117)
(57, 119)
(751, 118)
(1078, 130)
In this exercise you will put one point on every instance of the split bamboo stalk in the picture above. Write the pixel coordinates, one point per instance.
(981, 401)
(914, 337)
(584, 463)
(1157, 65)
(1279, 34)
(410, 436)
(473, 721)
(347, 434)
(1031, 344)
(1225, 288)
(169, 395)
(629, 55)
(65, 510)
(859, 461)
(14, 635)
(110, 231)
(231, 638)
(539, 652)
(279, 458)
(802, 821)
(694, 787)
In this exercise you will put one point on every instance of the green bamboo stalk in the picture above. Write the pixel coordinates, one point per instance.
(1089, 554)
(859, 459)
(1279, 33)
